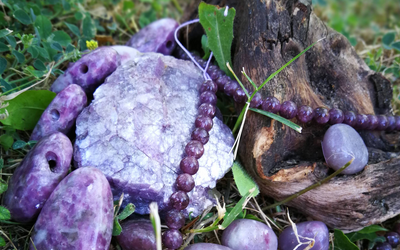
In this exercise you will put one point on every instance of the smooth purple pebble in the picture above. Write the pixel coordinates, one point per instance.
(137, 235)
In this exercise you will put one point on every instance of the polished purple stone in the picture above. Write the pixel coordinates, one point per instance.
(372, 122)
(189, 165)
(393, 238)
(37, 176)
(239, 96)
(137, 234)
(288, 110)
(350, 118)
(305, 114)
(207, 246)
(194, 148)
(271, 104)
(174, 219)
(201, 135)
(185, 182)
(382, 246)
(230, 87)
(208, 97)
(209, 86)
(335, 116)
(172, 239)
(207, 109)
(203, 122)
(362, 121)
(321, 115)
(382, 122)
(221, 81)
(391, 123)
(214, 72)
(179, 200)
(257, 101)
(79, 214)
(397, 122)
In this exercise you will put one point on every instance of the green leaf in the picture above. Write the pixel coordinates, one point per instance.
(388, 39)
(353, 237)
(5, 32)
(43, 52)
(61, 37)
(26, 109)
(66, 5)
(56, 46)
(88, 27)
(1, 166)
(396, 46)
(128, 5)
(78, 16)
(117, 229)
(74, 29)
(39, 65)
(3, 47)
(219, 30)
(32, 14)
(341, 242)
(11, 40)
(372, 229)
(18, 144)
(22, 16)
(20, 57)
(279, 119)
(6, 140)
(35, 73)
(43, 26)
(128, 210)
(2, 242)
(3, 186)
(204, 45)
(3, 64)
(69, 48)
(243, 180)
(4, 213)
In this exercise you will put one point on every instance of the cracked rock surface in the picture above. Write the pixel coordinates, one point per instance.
(137, 126)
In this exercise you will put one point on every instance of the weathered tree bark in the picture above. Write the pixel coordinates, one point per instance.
(268, 33)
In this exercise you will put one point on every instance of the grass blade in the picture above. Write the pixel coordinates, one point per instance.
(288, 123)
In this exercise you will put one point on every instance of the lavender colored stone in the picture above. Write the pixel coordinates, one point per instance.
(136, 129)
(126, 53)
(61, 113)
(137, 235)
(38, 175)
(341, 143)
(90, 71)
(78, 214)
(208, 246)
(155, 37)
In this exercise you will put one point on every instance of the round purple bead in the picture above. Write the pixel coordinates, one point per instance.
(256, 101)
(271, 104)
(189, 165)
(288, 110)
(221, 81)
(239, 96)
(172, 239)
(179, 200)
(174, 219)
(203, 122)
(321, 115)
(214, 72)
(397, 122)
(208, 97)
(372, 122)
(185, 182)
(391, 123)
(194, 148)
(207, 109)
(201, 135)
(230, 87)
(382, 246)
(305, 114)
(350, 118)
(335, 116)
(393, 238)
(382, 122)
(362, 121)
(209, 86)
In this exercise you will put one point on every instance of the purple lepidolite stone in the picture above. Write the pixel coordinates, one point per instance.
(89, 71)
(137, 127)
(78, 215)
(38, 175)
(156, 37)
(61, 113)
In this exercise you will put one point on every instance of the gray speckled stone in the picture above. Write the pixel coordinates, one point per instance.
(33, 181)
(78, 215)
(137, 126)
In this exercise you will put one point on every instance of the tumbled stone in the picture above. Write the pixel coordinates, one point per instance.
(136, 129)
(156, 37)
(137, 234)
(34, 180)
(78, 215)
(90, 71)
(61, 113)
(342, 143)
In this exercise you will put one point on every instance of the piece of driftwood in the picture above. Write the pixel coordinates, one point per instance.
(268, 33)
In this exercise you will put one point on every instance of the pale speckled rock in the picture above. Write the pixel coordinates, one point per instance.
(38, 175)
(156, 37)
(90, 71)
(61, 113)
(78, 214)
(126, 53)
(137, 126)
